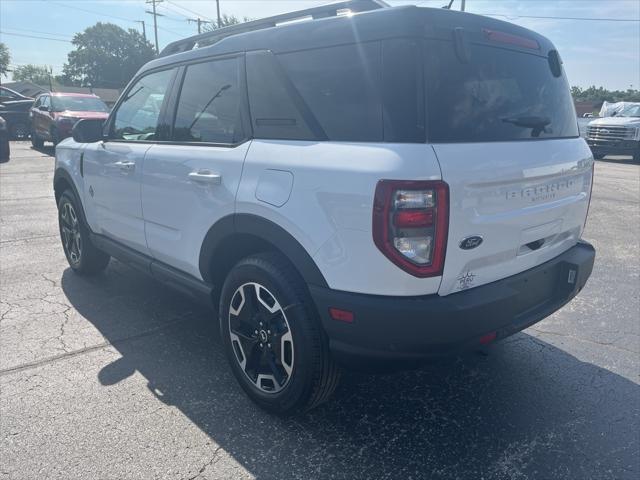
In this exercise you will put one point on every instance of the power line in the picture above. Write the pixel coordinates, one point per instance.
(93, 11)
(39, 31)
(193, 12)
(35, 36)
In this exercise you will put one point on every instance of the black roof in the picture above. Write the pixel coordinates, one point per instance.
(383, 23)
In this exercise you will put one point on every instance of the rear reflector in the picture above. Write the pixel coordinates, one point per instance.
(509, 39)
(341, 315)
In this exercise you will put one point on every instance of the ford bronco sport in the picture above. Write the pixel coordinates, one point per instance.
(383, 185)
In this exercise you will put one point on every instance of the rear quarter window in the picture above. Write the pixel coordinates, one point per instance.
(341, 87)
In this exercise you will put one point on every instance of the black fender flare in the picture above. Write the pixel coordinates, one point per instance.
(62, 174)
(267, 231)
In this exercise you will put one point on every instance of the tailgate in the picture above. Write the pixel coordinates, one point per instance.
(526, 201)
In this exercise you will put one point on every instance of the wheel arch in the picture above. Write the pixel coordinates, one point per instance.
(239, 235)
(62, 181)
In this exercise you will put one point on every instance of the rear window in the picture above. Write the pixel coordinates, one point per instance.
(498, 95)
(78, 104)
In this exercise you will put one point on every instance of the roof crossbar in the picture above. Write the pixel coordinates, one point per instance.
(323, 11)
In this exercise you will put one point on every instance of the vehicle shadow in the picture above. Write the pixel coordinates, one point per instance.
(46, 149)
(525, 410)
(628, 160)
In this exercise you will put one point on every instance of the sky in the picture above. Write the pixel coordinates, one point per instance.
(602, 52)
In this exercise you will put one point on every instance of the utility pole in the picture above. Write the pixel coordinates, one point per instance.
(462, 5)
(218, 7)
(155, 19)
(199, 21)
(144, 29)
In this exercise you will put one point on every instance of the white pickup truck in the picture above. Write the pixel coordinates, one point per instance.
(618, 134)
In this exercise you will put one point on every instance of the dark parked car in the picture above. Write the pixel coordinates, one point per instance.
(4, 141)
(8, 95)
(16, 114)
(54, 114)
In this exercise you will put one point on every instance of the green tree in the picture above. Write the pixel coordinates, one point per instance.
(38, 74)
(225, 21)
(5, 58)
(597, 95)
(106, 56)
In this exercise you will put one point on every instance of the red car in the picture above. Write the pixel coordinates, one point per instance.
(54, 114)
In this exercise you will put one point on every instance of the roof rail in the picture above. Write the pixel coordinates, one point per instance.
(323, 11)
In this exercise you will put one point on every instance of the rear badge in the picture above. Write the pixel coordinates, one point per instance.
(468, 243)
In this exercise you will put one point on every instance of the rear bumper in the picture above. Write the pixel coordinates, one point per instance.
(412, 328)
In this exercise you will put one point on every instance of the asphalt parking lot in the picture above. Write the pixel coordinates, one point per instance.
(119, 377)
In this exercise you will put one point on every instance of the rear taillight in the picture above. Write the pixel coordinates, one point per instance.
(410, 222)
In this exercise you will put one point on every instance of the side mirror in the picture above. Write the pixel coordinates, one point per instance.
(88, 130)
(43, 108)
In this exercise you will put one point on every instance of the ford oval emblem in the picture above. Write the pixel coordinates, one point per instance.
(468, 243)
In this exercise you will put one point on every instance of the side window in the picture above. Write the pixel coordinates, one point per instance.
(46, 101)
(341, 86)
(209, 104)
(274, 112)
(6, 94)
(137, 116)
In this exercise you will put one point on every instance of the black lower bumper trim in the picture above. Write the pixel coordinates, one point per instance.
(406, 328)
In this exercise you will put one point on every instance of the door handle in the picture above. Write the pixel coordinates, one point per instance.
(126, 166)
(205, 176)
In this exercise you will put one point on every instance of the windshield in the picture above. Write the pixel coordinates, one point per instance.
(78, 104)
(630, 111)
(498, 95)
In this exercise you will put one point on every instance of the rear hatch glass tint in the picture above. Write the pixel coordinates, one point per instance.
(498, 94)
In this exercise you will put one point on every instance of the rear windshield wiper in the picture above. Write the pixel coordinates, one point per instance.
(536, 123)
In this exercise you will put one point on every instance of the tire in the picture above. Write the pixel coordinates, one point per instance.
(636, 156)
(290, 344)
(5, 150)
(36, 141)
(19, 131)
(83, 257)
(54, 137)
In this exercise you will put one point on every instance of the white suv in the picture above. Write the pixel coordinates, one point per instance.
(381, 186)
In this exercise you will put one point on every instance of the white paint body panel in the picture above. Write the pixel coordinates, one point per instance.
(330, 207)
(113, 172)
(511, 194)
(179, 211)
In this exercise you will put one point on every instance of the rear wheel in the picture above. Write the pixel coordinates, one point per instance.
(273, 340)
(83, 257)
(55, 138)
(36, 141)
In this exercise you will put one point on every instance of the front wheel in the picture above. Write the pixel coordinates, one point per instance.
(272, 336)
(19, 131)
(83, 257)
